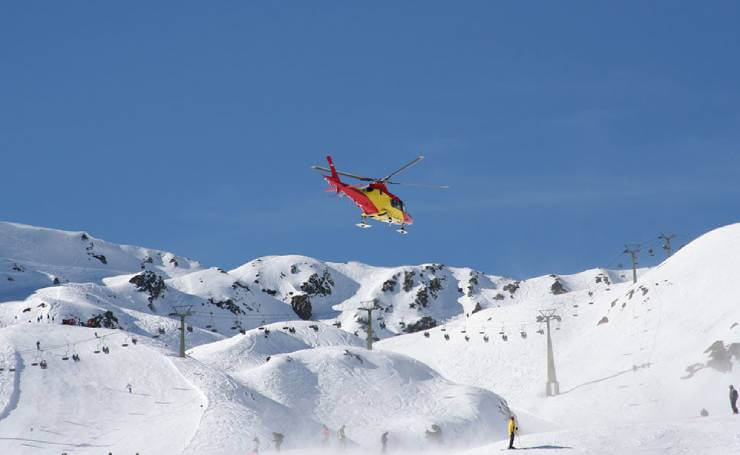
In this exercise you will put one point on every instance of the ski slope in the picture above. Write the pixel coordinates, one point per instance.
(666, 347)
(278, 345)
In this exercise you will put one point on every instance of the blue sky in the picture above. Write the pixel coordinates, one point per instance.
(566, 129)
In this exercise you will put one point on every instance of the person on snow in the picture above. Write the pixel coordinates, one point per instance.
(256, 449)
(384, 442)
(325, 435)
(733, 399)
(130, 388)
(38, 345)
(342, 437)
(512, 431)
(277, 438)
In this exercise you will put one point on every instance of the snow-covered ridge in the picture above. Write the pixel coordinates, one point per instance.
(61, 275)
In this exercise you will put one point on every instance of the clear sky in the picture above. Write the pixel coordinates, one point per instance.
(566, 129)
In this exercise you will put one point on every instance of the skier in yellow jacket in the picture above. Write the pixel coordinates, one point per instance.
(512, 431)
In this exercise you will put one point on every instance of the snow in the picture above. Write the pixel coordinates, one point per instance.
(631, 368)
(636, 363)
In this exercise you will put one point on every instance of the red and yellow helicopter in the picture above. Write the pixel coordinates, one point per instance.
(374, 198)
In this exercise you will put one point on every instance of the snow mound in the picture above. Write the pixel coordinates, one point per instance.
(375, 391)
(255, 346)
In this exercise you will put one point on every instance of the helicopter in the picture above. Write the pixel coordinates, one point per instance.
(373, 199)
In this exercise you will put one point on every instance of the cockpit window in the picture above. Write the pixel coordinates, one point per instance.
(397, 204)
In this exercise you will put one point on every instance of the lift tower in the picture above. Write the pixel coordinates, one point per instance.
(552, 388)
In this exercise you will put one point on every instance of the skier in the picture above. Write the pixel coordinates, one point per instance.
(256, 449)
(278, 440)
(130, 388)
(38, 345)
(512, 431)
(325, 435)
(342, 437)
(384, 442)
(733, 399)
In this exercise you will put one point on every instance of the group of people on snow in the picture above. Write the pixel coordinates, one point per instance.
(278, 438)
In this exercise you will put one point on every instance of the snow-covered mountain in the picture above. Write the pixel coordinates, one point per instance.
(72, 276)
(277, 345)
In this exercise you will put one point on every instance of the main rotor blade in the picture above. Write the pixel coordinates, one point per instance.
(346, 174)
(422, 185)
(402, 168)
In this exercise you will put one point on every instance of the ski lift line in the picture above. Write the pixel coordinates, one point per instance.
(644, 244)
(260, 316)
(64, 346)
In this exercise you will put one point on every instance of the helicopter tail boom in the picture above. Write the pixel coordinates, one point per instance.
(331, 166)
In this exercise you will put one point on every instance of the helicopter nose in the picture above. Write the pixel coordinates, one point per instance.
(407, 219)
